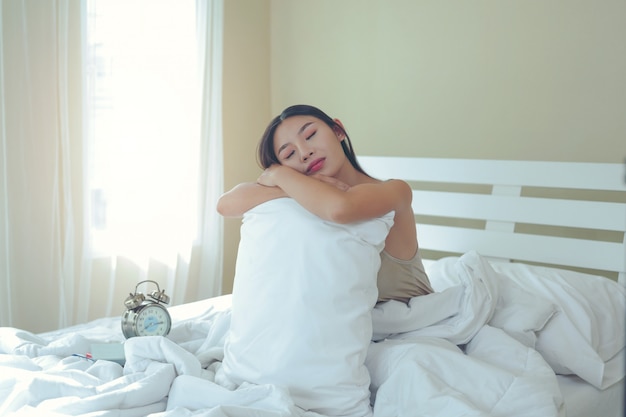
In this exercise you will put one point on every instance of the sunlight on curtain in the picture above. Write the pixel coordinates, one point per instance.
(90, 206)
(144, 131)
(210, 40)
(154, 145)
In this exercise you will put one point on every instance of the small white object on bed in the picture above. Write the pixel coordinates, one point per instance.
(498, 338)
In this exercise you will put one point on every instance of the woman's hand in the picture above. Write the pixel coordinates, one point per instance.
(268, 177)
(333, 200)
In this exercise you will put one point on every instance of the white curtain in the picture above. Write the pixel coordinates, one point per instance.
(49, 275)
(210, 30)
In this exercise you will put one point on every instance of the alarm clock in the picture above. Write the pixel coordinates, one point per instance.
(146, 317)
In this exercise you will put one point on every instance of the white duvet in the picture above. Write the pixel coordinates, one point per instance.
(474, 348)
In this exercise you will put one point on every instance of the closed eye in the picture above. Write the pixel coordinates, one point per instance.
(311, 135)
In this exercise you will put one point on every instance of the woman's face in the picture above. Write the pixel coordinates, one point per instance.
(310, 146)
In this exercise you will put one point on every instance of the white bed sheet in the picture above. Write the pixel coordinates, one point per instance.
(584, 400)
(199, 331)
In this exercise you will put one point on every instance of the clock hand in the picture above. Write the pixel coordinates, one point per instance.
(153, 324)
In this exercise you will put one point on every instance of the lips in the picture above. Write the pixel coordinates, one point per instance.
(315, 166)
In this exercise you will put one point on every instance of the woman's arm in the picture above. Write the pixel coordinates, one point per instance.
(360, 202)
(246, 196)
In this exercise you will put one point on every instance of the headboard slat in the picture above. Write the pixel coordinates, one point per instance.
(560, 223)
(607, 256)
(544, 211)
(578, 175)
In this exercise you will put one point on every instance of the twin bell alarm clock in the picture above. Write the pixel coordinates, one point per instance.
(146, 316)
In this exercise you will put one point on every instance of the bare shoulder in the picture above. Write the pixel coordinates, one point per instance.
(398, 193)
(401, 189)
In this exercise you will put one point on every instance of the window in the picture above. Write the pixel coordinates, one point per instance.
(143, 127)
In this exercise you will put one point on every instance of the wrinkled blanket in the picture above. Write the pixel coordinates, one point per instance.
(467, 350)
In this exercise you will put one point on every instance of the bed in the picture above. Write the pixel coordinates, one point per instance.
(528, 260)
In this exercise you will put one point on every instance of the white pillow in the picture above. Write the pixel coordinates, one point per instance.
(303, 294)
(586, 337)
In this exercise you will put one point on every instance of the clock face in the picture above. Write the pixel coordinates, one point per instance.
(152, 320)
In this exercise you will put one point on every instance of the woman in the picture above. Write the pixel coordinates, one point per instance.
(308, 156)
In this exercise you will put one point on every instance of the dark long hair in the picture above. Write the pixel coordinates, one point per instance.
(265, 151)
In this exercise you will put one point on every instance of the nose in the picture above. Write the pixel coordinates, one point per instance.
(306, 155)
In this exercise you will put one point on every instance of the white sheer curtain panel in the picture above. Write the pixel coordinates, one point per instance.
(93, 201)
(155, 148)
(41, 230)
(210, 40)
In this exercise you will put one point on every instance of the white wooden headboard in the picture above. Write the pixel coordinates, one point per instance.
(563, 214)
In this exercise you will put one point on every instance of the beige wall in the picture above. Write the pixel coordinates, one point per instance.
(525, 79)
(246, 103)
